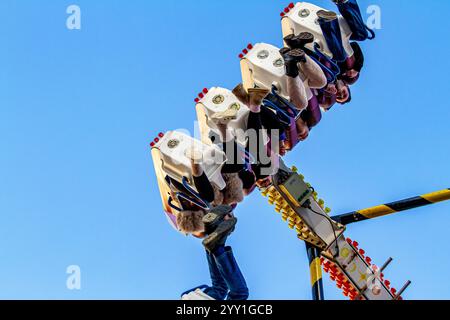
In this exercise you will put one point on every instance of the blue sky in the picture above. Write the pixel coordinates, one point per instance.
(78, 109)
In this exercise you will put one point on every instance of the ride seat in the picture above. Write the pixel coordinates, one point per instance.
(218, 100)
(303, 18)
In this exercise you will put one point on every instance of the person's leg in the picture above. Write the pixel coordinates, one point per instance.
(219, 223)
(201, 181)
(204, 187)
(310, 69)
(219, 288)
(270, 120)
(313, 72)
(272, 124)
(235, 162)
(235, 159)
(349, 9)
(256, 144)
(329, 23)
(231, 273)
(297, 92)
(312, 115)
(295, 87)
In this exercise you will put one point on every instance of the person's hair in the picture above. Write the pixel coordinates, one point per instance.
(359, 56)
(349, 80)
(349, 99)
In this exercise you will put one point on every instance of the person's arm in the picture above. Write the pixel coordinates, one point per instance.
(327, 98)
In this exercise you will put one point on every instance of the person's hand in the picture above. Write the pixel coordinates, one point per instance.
(340, 85)
(302, 130)
(264, 183)
(343, 93)
(331, 89)
(199, 235)
(282, 151)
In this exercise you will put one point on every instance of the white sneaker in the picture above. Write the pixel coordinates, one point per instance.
(194, 155)
(196, 295)
(224, 117)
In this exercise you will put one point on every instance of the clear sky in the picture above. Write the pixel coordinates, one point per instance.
(79, 108)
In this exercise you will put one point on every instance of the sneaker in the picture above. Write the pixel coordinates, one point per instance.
(224, 117)
(211, 222)
(194, 155)
(304, 38)
(299, 42)
(220, 235)
(197, 294)
(290, 63)
(327, 15)
(289, 40)
(257, 95)
(215, 217)
(298, 54)
(284, 51)
(241, 94)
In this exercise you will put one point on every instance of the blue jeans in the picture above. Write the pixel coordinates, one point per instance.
(226, 276)
(352, 14)
(332, 33)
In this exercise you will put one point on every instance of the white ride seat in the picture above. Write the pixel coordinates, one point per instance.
(216, 100)
(303, 18)
(263, 67)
